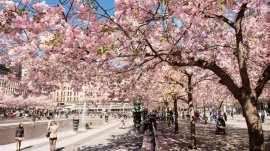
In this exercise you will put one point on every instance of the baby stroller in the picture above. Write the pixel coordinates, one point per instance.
(220, 126)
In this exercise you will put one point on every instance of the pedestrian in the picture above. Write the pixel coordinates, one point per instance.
(66, 115)
(53, 135)
(34, 118)
(76, 122)
(225, 116)
(122, 122)
(91, 126)
(263, 113)
(106, 117)
(19, 135)
(183, 114)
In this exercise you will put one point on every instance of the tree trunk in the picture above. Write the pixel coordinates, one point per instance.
(256, 137)
(168, 120)
(220, 105)
(191, 114)
(193, 135)
(176, 128)
(204, 115)
(166, 111)
(192, 126)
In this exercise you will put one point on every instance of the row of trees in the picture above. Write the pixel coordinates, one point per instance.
(81, 41)
(41, 102)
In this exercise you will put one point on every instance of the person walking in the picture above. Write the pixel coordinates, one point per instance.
(76, 122)
(225, 116)
(19, 135)
(263, 113)
(122, 122)
(53, 135)
(34, 118)
(232, 114)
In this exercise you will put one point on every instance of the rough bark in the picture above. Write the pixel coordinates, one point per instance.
(167, 115)
(191, 114)
(193, 134)
(243, 93)
(254, 124)
(204, 114)
(176, 127)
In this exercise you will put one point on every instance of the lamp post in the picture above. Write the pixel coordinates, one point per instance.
(137, 114)
(144, 123)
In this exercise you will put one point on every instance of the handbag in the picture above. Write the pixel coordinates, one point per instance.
(18, 138)
(48, 134)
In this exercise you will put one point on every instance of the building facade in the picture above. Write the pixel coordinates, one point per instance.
(6, 85)
(66, 95)
(90, 94)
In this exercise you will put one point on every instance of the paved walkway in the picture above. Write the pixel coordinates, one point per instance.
(105, 137)
(236, 137)
(239, 121)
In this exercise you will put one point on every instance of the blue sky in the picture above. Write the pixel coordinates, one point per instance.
(107, 4)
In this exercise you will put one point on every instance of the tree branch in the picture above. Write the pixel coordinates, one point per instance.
(220, 17)
(225, 79)
(240, 48)
(261, 82)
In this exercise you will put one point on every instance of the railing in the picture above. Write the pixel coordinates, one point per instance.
(160, 143)
(147, 144)
(154, 141)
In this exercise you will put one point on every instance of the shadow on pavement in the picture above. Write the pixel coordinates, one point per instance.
(59, 149)
(26, 147)
(235, 138)
(128, 141)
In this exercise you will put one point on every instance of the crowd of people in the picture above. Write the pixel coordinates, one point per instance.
(148, 123)
(53, 126)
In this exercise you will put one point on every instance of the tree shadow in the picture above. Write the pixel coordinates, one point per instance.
(130, 141)
(235, 138)
(26, 147)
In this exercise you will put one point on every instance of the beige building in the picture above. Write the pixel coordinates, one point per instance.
(6, 85)
(66, 95)
(91, 94)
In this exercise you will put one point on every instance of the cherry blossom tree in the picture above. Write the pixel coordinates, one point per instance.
(75, 41)
(213, 35)
(11, 101)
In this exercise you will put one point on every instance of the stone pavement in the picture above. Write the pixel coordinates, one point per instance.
(236, 137)
(239, 121)
(105, 137)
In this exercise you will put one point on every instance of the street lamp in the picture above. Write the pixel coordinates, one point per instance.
(137, 114)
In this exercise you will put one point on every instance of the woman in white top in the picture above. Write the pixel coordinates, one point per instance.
(53, 135)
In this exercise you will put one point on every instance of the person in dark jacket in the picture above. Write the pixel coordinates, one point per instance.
(19, 136)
